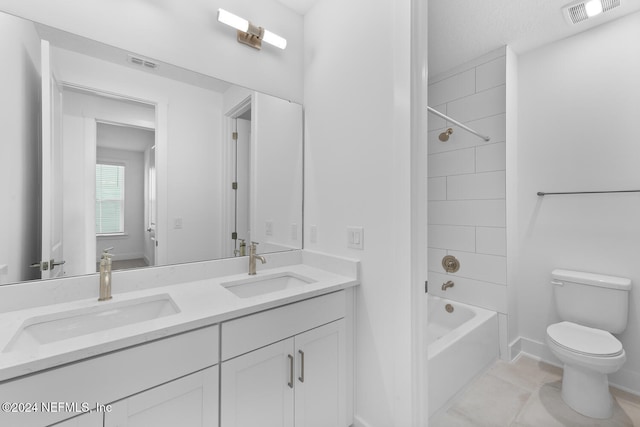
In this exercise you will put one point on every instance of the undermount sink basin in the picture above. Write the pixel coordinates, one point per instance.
(260, 285)
(54, 327)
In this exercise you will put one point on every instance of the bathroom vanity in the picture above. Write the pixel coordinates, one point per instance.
(225, 350)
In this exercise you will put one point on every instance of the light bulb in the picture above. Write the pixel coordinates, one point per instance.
(233, 20)
(593, 8)
(274, 39)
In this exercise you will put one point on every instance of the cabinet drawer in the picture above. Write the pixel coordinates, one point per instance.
(247, 333)
(109, 377)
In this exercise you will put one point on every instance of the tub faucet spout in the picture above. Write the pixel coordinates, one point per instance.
(447, 285)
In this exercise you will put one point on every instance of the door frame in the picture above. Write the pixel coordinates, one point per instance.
(160, 105)
(228, 211)
(51, 146)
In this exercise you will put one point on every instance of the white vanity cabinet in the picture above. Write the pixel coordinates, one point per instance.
(145, 382)
(286, 367)
(191, 401)
(320, 386)
(91, 419)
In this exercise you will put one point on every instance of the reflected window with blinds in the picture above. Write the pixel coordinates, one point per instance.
(109, 199)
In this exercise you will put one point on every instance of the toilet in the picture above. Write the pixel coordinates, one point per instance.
(592, 307)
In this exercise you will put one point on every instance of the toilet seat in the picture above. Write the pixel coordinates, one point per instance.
(584, 340)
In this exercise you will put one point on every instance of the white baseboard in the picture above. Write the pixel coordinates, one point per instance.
(623, 379)
(538, 350)
(626, 380)
(515, 348)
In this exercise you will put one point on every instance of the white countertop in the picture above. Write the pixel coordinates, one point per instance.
(201, 303)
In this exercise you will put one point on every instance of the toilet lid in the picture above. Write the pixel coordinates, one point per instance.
(585, 340)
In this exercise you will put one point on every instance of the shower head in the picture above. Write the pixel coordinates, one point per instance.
(444, 136)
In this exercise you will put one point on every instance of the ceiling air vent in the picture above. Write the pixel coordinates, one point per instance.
(142, 62)
(584, 9)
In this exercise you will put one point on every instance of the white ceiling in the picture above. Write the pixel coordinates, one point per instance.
(299, 6)
(461, 30)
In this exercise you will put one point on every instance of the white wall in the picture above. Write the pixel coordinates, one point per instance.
(193, 149)
(578, 131)
(357, 173)
(187, 36)
(19, 109)
(467, 184)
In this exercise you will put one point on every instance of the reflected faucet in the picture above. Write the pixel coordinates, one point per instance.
(105, 275)
(253, 257)
(243, 249)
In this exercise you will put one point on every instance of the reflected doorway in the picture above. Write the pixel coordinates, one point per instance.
(240, 160)
(109, 180)
(125, 194)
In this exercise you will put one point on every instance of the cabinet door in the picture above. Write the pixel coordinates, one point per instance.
(320, 391)
(191, 401)
(257, 387)
(91, 419)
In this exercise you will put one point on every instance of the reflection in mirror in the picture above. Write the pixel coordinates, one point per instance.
(162, 164)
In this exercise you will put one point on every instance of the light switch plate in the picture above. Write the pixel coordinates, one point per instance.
(355, 237)
(294, 231)
(314, 234)
(268, 228)
(177, 223)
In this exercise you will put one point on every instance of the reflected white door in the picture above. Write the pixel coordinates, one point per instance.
(52, 252)
(150, 206)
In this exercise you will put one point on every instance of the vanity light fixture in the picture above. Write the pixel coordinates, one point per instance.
(250, 34)
(582, 10)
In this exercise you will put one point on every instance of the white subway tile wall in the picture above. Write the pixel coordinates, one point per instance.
(459, 238)
(478, 213)
(437, 188)
(467, 206)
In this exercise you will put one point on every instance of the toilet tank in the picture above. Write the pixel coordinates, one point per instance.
(593, 300)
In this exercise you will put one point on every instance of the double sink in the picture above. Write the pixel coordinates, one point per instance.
(50, 328)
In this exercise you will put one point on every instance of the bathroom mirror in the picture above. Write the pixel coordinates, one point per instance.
(161, 164)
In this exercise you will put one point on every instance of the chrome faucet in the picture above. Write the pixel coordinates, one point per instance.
(105, 275)
(253, 257)
(447, 285)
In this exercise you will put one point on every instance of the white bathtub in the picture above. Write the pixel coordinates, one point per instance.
(462, 344)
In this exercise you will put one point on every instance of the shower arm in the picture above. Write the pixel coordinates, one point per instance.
(457, 123)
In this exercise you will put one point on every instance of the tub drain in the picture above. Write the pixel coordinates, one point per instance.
(449, 308)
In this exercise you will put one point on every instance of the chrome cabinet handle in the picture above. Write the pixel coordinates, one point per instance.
(301, 377)
(290, 383)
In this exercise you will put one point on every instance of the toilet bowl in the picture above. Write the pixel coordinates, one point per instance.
(588, 355)
(591, 307)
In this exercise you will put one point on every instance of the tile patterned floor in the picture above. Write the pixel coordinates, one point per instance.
(526, 393)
